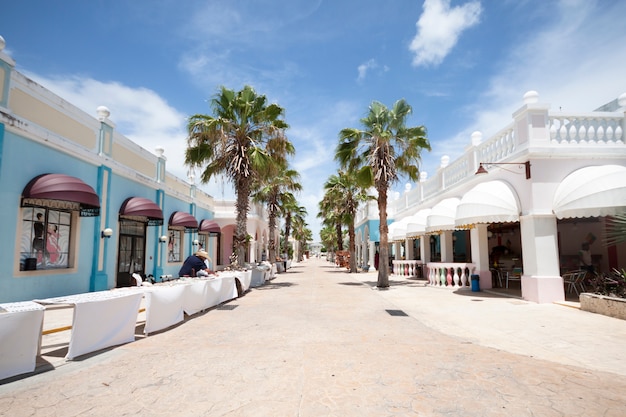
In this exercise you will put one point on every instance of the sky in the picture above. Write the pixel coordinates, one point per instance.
(463, 66)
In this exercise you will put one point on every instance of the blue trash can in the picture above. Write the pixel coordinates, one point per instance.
(475, 283)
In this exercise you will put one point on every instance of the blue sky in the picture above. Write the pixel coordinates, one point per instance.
(463, 65)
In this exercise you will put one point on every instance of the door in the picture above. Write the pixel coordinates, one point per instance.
(131, 252)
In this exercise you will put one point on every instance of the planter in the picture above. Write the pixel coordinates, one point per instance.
(602, 304)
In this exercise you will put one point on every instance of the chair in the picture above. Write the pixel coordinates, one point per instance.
(515, 275)
(574, 280)
(497, 274)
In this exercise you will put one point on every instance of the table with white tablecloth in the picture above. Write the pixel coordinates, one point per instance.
(20, 336)
(165, 303)
(101, 319)
(244, 277)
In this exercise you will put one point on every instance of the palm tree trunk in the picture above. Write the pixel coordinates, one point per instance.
(272, 242)
(352, 248)
(339, 236)
(383, 264)
(241, 233)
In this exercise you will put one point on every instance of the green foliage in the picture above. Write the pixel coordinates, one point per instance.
(616, 230)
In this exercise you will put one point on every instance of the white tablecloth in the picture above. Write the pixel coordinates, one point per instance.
(244, 277)
(221, 289)
(101, 319)
(20, 335)
(259, 276)
(164, 306)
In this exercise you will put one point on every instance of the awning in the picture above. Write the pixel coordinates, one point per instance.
(209, 226)
(184, 220)
(60, 191)
(442, 215)
(488, 202)
(397, 230)
(594, 191)
(416, 224)
(142, 210)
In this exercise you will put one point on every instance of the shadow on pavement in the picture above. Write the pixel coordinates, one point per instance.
(274, 285)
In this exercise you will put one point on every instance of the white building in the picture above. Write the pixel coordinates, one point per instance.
(547, 182)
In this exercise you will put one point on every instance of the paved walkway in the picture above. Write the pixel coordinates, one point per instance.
(318, 341)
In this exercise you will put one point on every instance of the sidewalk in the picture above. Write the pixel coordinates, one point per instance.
(317, 341)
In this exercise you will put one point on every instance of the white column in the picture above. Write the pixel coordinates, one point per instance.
(425, 248)
(408, 245)
(541, 279)
(447, 254)
(479, 242)
(372, 254)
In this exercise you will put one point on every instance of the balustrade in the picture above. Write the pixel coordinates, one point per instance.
(585, 128)
(451, 275)
(409, 269)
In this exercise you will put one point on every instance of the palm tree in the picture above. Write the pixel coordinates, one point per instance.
(327, 236)
(291, 211)
(242, 140)
(379, 152)
(302, 234)
(275, 192)
(330, 213)
(347, 194)
(616, 229)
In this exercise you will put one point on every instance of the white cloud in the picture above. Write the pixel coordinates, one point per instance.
(364, 68)
(439, 28)
(576, 79)
(139, 114)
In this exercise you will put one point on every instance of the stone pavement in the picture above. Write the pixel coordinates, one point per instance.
(317, 341)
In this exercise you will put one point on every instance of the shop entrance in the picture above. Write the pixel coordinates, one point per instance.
(131, 252)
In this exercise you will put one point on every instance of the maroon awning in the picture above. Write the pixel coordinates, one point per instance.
(142, 209)
(186, 220)
(209, 226)
(63, 192)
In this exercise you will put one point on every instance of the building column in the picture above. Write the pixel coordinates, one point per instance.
(372, 255)
(447, 244)
(408, 248)
(541, 278)
(479, 242)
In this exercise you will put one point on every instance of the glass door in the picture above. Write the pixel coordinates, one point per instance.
(131, 252)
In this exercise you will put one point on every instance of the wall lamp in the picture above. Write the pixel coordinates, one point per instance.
(106, 233)
(163, 239)
(481, 167)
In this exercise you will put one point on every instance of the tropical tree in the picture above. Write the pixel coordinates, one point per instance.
(616, 229)
(275, 191)
(330, 213)
(302, 235)
(327, 236)
(379, 152)
(347, 194)
(242, 139)
(290, 212)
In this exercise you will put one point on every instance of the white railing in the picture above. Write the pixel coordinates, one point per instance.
(409, 269)
(590, 127)
(600, 128)
(451, 275)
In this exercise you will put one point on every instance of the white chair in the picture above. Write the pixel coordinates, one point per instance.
(574, 280)
(514, 275)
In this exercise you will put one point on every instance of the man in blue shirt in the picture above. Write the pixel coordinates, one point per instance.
(194, 264)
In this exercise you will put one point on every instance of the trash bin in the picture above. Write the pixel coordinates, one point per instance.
(475, 283)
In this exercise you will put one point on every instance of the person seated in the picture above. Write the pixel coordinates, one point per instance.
(195, 265)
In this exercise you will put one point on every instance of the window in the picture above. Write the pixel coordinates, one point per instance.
(203, 241)
(174, 245)
(46, 235)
